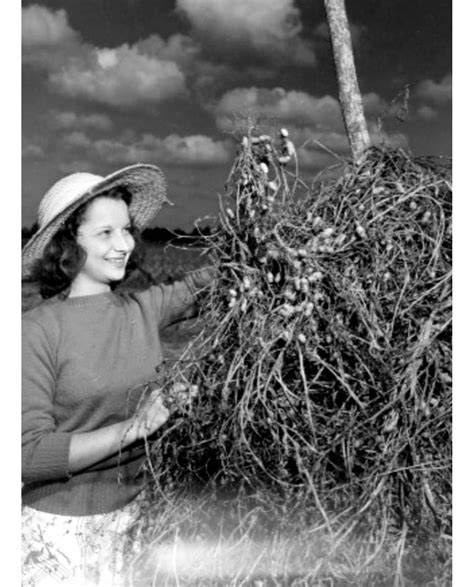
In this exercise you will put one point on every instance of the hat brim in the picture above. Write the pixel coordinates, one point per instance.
(147, 186)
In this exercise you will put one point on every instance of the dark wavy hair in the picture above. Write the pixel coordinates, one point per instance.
(63, 257)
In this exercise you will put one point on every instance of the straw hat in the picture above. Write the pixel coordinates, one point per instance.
(146, 183)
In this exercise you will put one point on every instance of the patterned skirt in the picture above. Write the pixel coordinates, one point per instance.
(77, 551)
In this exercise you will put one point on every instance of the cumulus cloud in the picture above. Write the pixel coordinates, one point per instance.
(205, 77)
(178, 48)
(120, 77)
(315, 124)
(41, 26)
(48, 41)
(270, 28)
(77, 139)
(75, 165)
(195, 149)
(427, 112)
(289, 107)
(68, 120)
(199, 150)
(147, 72)
(436, 92)
(32, 151)
(374, 105)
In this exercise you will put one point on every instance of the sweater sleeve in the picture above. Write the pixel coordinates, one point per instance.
(45, 451)
(178, 299)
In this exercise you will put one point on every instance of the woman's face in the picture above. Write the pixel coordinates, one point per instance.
(105, 236)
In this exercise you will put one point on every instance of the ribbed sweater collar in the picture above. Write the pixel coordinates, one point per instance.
(100, 299)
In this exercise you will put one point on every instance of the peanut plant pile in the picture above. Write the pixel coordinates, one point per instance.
(323, 373)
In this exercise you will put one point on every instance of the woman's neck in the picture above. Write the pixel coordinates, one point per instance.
(81, 288)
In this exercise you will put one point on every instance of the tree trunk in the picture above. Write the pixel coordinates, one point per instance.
(349, 93)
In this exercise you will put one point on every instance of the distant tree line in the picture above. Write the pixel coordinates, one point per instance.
(149, 235)
(164, 235)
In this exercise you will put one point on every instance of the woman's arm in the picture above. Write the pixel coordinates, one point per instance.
(44, 449)
(88, 448)
(178, 299)
(48, 454)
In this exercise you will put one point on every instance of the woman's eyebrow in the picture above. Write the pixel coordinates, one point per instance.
(102, 226)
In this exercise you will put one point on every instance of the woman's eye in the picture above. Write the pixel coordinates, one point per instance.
(106, 232)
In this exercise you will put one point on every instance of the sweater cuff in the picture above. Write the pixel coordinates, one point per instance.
(50, 459)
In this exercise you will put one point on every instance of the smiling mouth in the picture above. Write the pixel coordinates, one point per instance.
(118, 262)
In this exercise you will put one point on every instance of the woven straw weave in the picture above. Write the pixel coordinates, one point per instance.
(146, 183)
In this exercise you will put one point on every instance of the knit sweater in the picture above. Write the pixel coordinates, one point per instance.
(85, 364)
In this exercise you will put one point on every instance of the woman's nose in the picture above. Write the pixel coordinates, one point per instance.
(123, 242)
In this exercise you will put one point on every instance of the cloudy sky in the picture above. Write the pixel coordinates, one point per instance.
(109, 83)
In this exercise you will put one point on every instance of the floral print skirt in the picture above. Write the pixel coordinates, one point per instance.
(77, 551)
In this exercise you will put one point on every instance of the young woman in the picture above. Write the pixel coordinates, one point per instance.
(88, 354)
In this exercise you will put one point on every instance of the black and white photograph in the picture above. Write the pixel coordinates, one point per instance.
(236, 293)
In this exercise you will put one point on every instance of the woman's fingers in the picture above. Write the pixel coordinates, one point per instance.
(158, 413)
(178, 387)
(179, 395)
(152, 415)
(155, 393)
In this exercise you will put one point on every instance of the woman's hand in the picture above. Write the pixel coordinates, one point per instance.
(88, 448)
(150, 416)
(203, 277)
